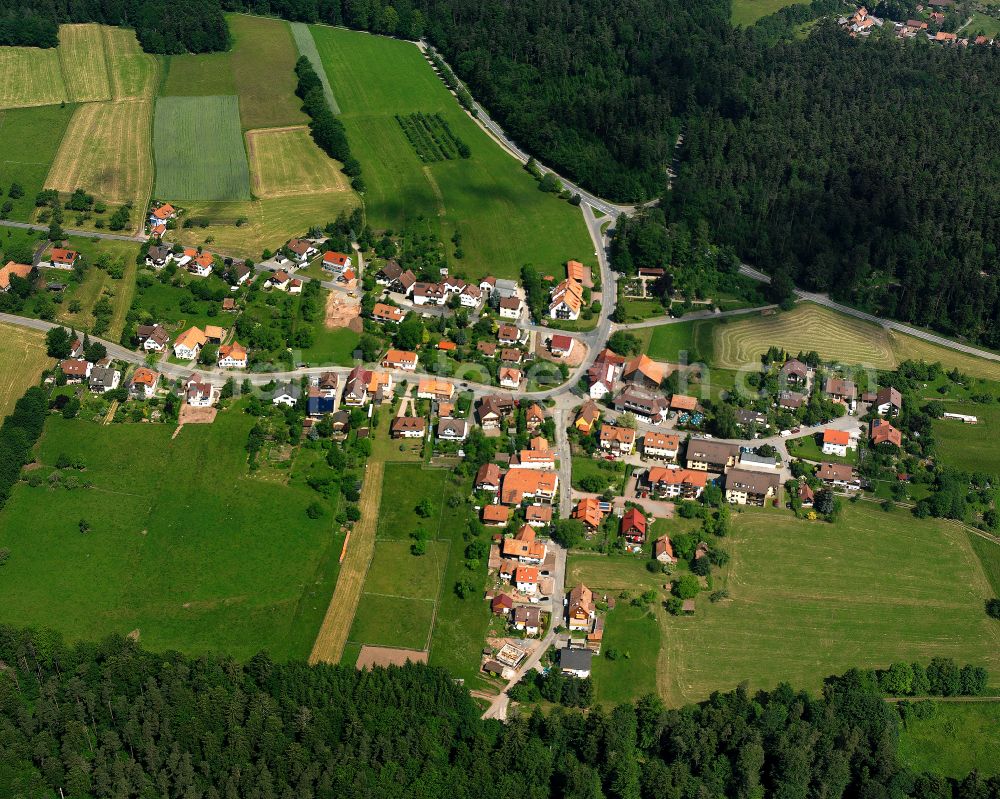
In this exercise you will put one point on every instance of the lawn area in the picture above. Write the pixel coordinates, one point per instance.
(667, 342)
(638, 310)
(392, 621)
(330, 346)
(263, 62)
(203, 75)
(505, 221)
(286, 161)
(983, 24)
(633, 634)
(960, 737)
(29, 141)
(810, 599)
(809, 448)
(610, 573)
(747, 12)
(30, 76)
(22, 359)
(237, 581)
(306, 46)
(192, 166)
(969, 446)
(162, 301)
(585, 466)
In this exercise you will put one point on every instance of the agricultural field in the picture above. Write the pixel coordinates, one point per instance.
(505, 221)
(29, 141)
(22, 360)
(84, 67)
(133, 73)
(30, 76)
(306, 46)
(107, 152)
(747, 12)
(810, 599)
(988, 553)
(915, 349)
(205, 75)
(237, 582)
(263, 65)
(191, 166)
(969, 446)
(286, 162)
(959, 737)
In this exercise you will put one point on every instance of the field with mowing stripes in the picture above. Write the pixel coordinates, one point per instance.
(191, 165)
(85, 70)
(107, 150)
(133, 72)
(286, 161)
(910, 348)
(505, 221)
(263, 61)
(306, 46)
(30, 76)
(22, 359)
(809, 599)
(29, 141)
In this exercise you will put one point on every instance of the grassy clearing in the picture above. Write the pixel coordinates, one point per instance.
(269, 222)
(162, 300)
(133, 73)
(263, 61)
(809, 599)
(235, 581)
(584, 466)
(107, 150)
(286, 161)
(960, 737)
(330, 346)
(199, 76)
(969, 446)
(985, 24)
(634, 634)
(988, 553)
(667, 342)
(84, 67)
(504, 219)
(610, 573)
(96, 282)
(29, 141)
(30, 76)
(914, 349)
(306, 46)
(22, 359)
(747, 12)
(191, 165)
(393, 621)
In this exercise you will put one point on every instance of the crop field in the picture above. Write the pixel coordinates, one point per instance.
(233, 582)
(85, 69)
(205, 75)
(107, 151)
(810, 599)
(30, 76)
(747, 12)
(133, 72)
(959, 737)
(191, 165)
(263, 62)
(22, 359)
(286, 161)
(969, 446)
(306, 46)
(505, 221)
(29, 141)
(431, 137)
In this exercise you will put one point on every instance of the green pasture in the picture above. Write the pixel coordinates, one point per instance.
(959, 737)
(29, 141)
(969, 446)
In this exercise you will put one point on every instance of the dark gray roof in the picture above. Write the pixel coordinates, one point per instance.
(576, 659)
(293, 390)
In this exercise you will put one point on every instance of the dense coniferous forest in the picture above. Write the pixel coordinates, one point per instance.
(110, 720)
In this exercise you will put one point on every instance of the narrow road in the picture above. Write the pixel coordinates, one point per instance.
(690, 317)
(89, 234)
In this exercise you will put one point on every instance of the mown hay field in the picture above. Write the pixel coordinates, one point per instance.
(133, 73)
(107, 151)
(199, 149)
(915, 349)
(29, 141)
(22, 359)
(307, 46)
(263, 61)
(84, 67)
(30, 76)
(286, 161)
(810, 599)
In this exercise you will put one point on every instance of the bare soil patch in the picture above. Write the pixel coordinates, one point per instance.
(372, 656)
(189, 415)
(575, 358)
(343, 311)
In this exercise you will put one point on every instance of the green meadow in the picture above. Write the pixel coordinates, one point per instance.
(29, 141)
(958, 738)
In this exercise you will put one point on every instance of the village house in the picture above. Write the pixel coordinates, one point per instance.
(534, 417)
(198, 393)
(388, 273)
(452, 429)
(503, 287)
(526, 580)
(429, 294)
(432, 388)
(338, 262)
(520, 484)
(535, 459)
(841, 390)
(682, 403)
(493, 409)
(187, 346)
(200, 264)
(488, 478)
(663, 550)
(232, 356)
(793, 373)
(228, 305)
(158, 256)
(510, 335)
(215, 334)
(587, 416)
(75, 370)
(76, 348)
(579, 273)
(301, 250)
(387, 313)
(538, 515)
(581, 610)
(278, 280)
(753, 460)
(836, 442)
(588, 510)
(501, 604)
(709, 455)
(13, 269)
(882, 432)
(643, 372)
(152, 338)
(667, 483)
(510, 377)
(744, 487)
(619, 441)
(162, 213)
(511, 355)
(791, 400)
(566, 301)
(321, 397)
(487, 348)
(888, 401)
(142, 384)
(806, 495)
(575, 662)
(103, 379)
(495, 515)
(633, 528)
(839, 475)
(408, 427)
(647, 407)
(287, 394)
(561, 346)
(60, 258)
(528, 619)
(471, 296)
(524, 548)
(510, 307)
(604, 373)
(237, 274)
(748, 419)
(400, 359)
(660, 445)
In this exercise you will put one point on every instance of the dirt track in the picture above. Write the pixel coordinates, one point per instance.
(332, 636)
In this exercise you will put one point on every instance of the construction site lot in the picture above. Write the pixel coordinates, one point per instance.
(381, 656)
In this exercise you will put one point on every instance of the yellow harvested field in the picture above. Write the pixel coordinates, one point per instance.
(22, 359)
(286, 161)
(133, 72)
(84, 67)
(806, 327)
(107, 151)
(30, 76)
(270, 222)
(908, 348)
